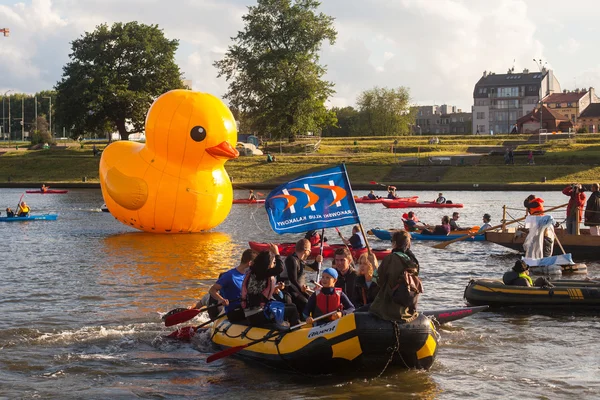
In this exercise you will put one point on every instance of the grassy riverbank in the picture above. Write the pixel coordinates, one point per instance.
(456, 160)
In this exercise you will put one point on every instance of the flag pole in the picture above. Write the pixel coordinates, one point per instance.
(362, 230)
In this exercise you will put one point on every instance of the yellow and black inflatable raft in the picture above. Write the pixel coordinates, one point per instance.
(359, 342)
(568, 294)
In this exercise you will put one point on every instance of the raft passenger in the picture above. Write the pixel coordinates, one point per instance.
(399, 283)
(346, 279)
(258, 288)
(328, 299)
(228, 288)
(518, 275)
(534, 205)
(366, 283)
(293, 273)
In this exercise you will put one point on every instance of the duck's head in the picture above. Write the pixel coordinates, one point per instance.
(191, 128)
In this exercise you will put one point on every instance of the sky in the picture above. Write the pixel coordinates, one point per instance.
(437, 48)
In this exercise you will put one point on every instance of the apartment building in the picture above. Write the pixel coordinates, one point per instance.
(571, 103)
(499, 100)
(440, 120)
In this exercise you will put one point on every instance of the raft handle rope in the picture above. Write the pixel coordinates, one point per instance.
(394, 350)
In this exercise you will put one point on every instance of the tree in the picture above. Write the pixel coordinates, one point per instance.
(41, 134)
(273, 70)
(386, 112)
(114, 76)
(348, 123)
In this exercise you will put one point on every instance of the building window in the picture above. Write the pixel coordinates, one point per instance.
(481, 115)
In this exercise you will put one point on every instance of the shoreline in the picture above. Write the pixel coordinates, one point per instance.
(474, 187)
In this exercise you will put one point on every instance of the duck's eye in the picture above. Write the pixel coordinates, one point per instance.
(198, 133)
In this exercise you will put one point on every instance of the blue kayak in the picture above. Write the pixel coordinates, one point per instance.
(45, 217)
(386, 234)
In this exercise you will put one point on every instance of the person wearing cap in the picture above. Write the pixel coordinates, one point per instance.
(327, 299)
(486, 223)
(518, 275)
(534, 205)
(441, 199)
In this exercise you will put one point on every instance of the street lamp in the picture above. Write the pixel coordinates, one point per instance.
(50, 122)
(3, 118)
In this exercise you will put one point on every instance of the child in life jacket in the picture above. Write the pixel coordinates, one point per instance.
(327, 299)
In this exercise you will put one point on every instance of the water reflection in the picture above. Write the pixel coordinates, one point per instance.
(155, 264)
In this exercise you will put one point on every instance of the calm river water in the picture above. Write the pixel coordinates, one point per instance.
(81, 301)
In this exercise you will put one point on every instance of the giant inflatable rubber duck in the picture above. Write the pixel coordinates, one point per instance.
(176, 181)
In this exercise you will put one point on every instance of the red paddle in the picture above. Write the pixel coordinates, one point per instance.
(236, 349)
(188, 332)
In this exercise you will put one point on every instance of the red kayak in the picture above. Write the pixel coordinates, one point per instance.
(287, 249)
(246, 201)
(367, 200)
(414, 204)
(49, 191)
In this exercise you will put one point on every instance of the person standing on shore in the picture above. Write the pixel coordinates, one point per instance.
(592, 211)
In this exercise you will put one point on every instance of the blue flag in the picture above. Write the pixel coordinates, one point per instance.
(319, 200)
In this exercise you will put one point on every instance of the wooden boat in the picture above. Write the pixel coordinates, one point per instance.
(571, 294)
(358, 343)
(414, 204)
(582, 247)
(367, 200)
(386, 234)
(287, 249)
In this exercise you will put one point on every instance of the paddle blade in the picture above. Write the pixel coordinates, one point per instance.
(186, 333)
(373, 183)
(182, 316)
(442, 245)
(225, 353)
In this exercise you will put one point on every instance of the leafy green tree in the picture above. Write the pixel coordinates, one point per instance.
(273, 70)
(385, 112)
(348, 123)
(114, 76)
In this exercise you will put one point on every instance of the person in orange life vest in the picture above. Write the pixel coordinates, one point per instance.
(327, 299)
(258, 288)
(44, 188)
(534, 205)
(293, 273)
(366, 283)
(576, 203)
(346, 279)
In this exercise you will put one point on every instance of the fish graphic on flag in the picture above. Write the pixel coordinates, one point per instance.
(318, 200)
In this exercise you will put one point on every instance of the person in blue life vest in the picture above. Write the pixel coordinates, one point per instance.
(392, 192)
(327, 299)
(372, 195)
(228, 288)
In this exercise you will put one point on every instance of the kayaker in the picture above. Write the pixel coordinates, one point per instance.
(534, 205)
(356, 241)
(228, 288)
(314, 237)
(518, 275)
(372, 196)
(251, 196)
(440, 230)
(327, 299)
(23, 210)
(576, 203)
(486, 224)
(392, 192)
(454, 223)
(411, 222)
(9, 212)
(366, 284)
(440, 199)
(399, 283)
(346, 279)
(44, 188)
(592, 211)
(258, 288)
(293, 273)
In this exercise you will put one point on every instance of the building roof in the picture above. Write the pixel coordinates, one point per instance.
(591, 111)
(511, 79)
(547, 114)
(569, 97)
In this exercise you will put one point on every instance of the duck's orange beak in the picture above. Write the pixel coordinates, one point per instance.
(223, 150)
